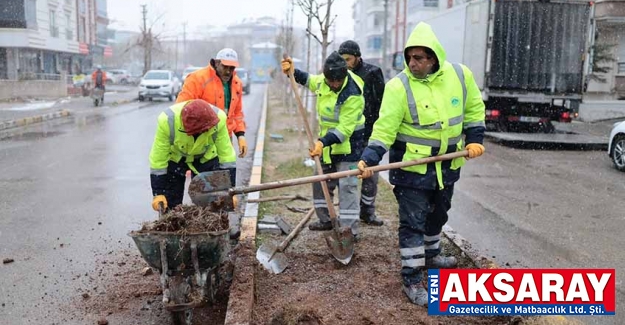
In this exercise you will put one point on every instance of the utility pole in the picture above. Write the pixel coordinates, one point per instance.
(147, 42)
(385, 39)
(184, 44)
(176, 56)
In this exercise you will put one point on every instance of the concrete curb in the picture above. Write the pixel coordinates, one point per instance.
(62, 113)
(239, 311)
(34, 119)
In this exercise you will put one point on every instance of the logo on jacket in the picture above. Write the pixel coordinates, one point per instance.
(455, 101)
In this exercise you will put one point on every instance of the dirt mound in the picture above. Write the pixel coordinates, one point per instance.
(189, 219)
(296, 316)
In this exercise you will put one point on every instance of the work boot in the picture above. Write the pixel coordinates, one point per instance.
(320, 226)
(371, 220)
(417, 294)
(441, 262)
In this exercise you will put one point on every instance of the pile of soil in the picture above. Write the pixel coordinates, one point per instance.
(118, 291)
(189, 219)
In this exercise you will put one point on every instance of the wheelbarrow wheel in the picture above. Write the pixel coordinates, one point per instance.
(182, 317)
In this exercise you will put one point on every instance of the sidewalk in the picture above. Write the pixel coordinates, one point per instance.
(592, 111)
(18, 114)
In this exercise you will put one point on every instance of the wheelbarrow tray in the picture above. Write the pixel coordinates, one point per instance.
(212, 249)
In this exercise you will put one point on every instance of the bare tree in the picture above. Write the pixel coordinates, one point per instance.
(149, 40)
(313, 10)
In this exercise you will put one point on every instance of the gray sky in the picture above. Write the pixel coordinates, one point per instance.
(126, 14)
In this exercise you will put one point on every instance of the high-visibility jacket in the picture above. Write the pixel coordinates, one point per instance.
(205, 84)
(171, 142)
(94, 77)
(340, 116)
(425, 117)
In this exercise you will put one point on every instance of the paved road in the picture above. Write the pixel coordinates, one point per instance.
(545, 209)
(71, 191)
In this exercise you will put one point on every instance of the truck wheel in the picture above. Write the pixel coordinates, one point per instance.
(548, 128)
(618, 152)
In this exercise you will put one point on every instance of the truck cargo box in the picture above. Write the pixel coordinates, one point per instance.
(539, 46)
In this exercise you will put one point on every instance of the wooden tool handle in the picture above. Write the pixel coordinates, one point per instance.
(311, 142)
(347, 173)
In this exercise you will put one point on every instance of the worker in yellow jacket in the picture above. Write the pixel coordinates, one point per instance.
(190, 135)
(340, 105)
(426, 111)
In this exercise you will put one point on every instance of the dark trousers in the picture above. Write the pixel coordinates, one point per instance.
(172, 184)
(422, 215)
(368, 192)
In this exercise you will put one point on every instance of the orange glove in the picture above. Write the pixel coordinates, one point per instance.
(286, 65)
(242, 147)
(157, 200)
(235, 201)
(317, 150)
(475, 150)
(366, 172)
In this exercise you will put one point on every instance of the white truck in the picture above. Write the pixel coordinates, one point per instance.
(528, 57)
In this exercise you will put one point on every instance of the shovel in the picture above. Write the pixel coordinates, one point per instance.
(272, 257)
(204, 187)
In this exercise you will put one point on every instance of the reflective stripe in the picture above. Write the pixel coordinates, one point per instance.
(456, 120)
(378, 143)
(414, 262)
(427, 142)
(360, 127)
(460, 74)
(412, 251)
(432, 238)
(433, 246)
(368, 200)
(170, 119)
(412, 104)
(338, 134)
(158, 172)
(228, 165)
(474, 124)
(327, 119)
(349, 212)
(320, 204)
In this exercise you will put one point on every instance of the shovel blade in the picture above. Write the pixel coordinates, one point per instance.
(211, 189)
(341, 244)
(277, 264)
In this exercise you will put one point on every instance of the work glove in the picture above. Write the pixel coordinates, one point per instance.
(235, 201)
(156, 202)
(317, 150)
(365, 172)
(242, 147)
(475, 150)
(286, 65)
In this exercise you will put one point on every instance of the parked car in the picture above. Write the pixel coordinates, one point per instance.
(187, 71)
(159, 83)
(616, 146)
(118, 76)
(246, 79)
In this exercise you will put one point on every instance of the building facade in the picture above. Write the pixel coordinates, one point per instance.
(39, 39)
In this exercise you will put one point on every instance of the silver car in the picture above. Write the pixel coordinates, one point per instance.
(246, 79)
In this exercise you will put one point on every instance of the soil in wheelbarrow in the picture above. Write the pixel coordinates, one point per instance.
(189, 219)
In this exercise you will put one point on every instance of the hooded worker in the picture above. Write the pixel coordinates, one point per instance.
(373, 91)
(191, 135)
(219, 85)
(426, 111)
(340, 104)
(98, 78)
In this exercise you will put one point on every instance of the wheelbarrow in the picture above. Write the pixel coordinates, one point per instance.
(188, 265)
(97, 94)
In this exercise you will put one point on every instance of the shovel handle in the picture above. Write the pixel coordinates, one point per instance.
(311, 143)
(347, 173)
(293, 233)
